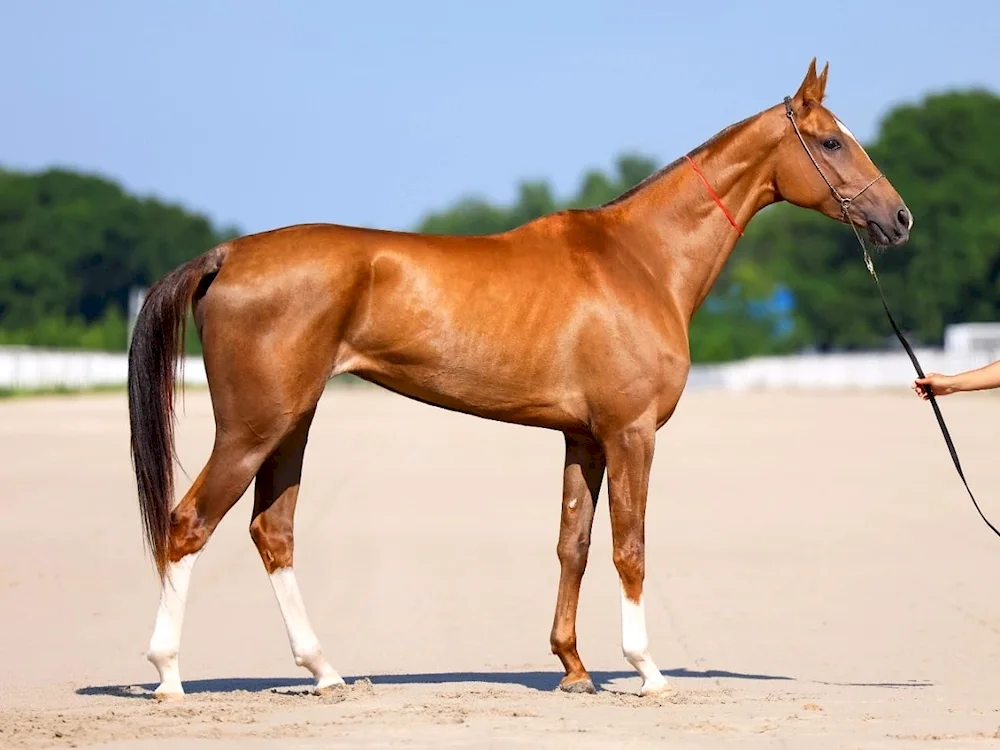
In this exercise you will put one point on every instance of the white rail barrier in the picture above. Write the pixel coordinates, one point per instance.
(830, 371)
(966, 346)
(31, 369)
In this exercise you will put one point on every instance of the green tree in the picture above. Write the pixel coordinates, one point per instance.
(473, 215)
(71, 246)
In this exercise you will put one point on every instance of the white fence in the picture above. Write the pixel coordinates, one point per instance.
(29, 369)
(966, 346)
(830, 371)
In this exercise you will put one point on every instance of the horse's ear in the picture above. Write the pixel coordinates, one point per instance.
(822, 81)
(812, 88)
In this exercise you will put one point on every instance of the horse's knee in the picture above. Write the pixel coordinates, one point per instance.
(188, 533)
(562, 641)
(275, 547)
(573, 552)
(630, 562)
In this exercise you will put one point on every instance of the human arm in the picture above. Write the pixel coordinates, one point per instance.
(980, 379)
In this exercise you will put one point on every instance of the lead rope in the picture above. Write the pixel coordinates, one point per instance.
(845, 205)
(927, 388)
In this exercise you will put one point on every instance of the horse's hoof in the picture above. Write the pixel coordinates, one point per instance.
(578, 686)
(655, 687)
(168, 696)
(329, 686)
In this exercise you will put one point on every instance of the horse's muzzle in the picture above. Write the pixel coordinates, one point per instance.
(893, 232)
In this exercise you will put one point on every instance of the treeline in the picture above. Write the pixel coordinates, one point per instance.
(72, 245)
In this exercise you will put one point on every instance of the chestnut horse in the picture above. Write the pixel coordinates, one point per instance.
(576, 322)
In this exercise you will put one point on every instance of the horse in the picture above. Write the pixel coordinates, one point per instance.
(576, 322)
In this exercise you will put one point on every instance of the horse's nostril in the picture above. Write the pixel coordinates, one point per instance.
(904, 218)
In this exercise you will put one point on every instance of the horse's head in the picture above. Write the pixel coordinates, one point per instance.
(823, 167)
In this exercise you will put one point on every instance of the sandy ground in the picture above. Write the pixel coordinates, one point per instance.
(816, 578)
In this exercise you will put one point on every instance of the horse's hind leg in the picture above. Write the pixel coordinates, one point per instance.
(235, 459)
(272, 530)
(582, 476)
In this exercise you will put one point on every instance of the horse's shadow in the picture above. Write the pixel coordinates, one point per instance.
(541, 681)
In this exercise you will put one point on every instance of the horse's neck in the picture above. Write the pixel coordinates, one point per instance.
(687, 235)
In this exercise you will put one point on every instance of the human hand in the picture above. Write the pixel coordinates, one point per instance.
(941, 385)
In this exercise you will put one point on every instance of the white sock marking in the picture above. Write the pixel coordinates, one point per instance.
(165, 643)
(635, 645)
(301, 637)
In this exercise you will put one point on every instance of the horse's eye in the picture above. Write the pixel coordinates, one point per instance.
(831, 144)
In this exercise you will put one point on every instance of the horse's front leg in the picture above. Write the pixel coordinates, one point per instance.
(629, 454)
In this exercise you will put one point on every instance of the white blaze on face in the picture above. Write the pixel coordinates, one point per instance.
(847, 131)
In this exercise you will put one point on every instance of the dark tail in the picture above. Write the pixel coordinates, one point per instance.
(157, 344)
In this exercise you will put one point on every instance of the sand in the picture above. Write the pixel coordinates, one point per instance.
(816, 578)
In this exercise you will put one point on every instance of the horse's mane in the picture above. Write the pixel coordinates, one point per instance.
(726, 131)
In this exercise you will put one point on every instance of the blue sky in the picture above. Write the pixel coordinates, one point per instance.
(372, 113)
